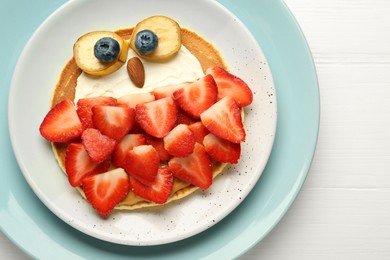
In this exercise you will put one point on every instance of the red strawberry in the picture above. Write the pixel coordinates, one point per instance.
(222, 150)
(195, 168)
(61, 124)
(105, 190)
(180, 141)
(158, 144)
(184, 118)
(167, 91)
(199, 131)
(131, 100)
(84, 108)
(223, 119)
(113, 121)
(136, 129)
(98, 146)
(124, 146)
(158, 117)
(159, 190)
(142, 162)
(197, 96)
(231, 85)
(78, 164)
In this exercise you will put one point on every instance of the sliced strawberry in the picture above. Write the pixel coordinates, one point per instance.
(158, 117)
(142, 162)
(223, 119)
(159, 190)
(84, 108)
(136, 129)
(167, 91)
(98, 146)
(78, 164)
(222, 150)
(197, 96)
(124, 146)
(231, 85)
(184, 118)
(131, 100)
(105, 190)
(61, 124)
(158, 144)
(195, 168)
(180, 141)
(113, 121)
(199, 131)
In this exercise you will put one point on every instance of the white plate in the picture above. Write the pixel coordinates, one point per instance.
(35, 77)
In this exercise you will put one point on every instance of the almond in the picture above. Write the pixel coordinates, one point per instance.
(136, 71)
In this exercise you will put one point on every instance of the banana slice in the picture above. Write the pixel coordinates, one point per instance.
(169, 37)
(83, 53)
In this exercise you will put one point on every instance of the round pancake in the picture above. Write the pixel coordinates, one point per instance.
(208, 57)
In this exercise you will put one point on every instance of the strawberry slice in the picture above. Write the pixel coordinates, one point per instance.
(84, 108)
(124, 146)
(131, 100)
(78, 164)
(167, 91)
(113, 121)
(184, 118)
(223, 119)
(197, 96)
(61, 124)
(231, 85)
(158, 144)
(142, 162)
(195, 168)
(159, 191)
(158, 117)
(105, 190)
(98, 146)
(222, 150)
(199, 131)
(180, 141)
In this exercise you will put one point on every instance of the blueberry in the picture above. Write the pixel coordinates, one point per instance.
(106, 49)
(146, 41)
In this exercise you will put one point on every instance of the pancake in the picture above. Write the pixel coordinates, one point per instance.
(208, 57)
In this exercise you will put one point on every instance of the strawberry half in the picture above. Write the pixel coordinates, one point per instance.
(113, 121)
(197, 96)
(222, 150)
(61, 124)
(180, 141)
(158, 117)
(184, 118)
(131, 100)
(199, 131)
(231, 85)
(195, 168)
(84, 108)
(98, 146)
(223, 119)
(167, 91)
(105, 190)
(78, 164)
(159, 191)
(158, 144)
(124, 146)
(142, 162)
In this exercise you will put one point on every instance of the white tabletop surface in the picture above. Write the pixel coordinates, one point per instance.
(343, 210)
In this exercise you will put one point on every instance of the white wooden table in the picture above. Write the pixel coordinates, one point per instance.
(343, 210)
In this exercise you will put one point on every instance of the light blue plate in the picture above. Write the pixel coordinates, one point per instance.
(39, 233)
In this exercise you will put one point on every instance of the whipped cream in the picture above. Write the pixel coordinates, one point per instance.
(182, 68)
